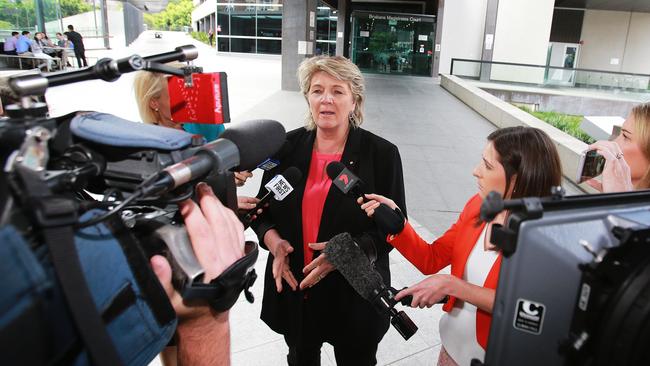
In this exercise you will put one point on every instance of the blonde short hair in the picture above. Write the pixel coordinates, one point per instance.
(339, 68)
(147, 86)
(641, 115)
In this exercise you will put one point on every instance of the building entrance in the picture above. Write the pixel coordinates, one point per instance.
(393, 43)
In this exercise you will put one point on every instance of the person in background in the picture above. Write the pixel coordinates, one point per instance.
(10, 44)
(305, 298)
(152, 98)
(24, 44)
(66, 45)
(517, 162)
(78, 43)
(38, 50)
(210, 36)
(627, 158)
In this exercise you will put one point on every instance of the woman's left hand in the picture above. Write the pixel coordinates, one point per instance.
(317, 269)
(430, 291)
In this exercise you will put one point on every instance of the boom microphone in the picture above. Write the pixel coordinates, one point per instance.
(279, 187)
(388, 220)
(346, 256)
(240, 147)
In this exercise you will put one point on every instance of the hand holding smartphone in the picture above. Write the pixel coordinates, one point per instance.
(591, 165)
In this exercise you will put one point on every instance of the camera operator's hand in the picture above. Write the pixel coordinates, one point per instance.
(217, 238)
(616, 175)
(241, 177)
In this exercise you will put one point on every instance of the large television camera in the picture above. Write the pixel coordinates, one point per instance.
(86, 199)
(574, 286)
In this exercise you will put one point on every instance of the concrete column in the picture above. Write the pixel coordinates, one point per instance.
(437, 44)
(521, 35)
(298, 38)
(490, 29)
(343, 28)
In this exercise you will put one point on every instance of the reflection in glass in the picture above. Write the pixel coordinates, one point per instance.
(269, 46)
(223, 44)
(269, 21)
(223, 20)
(245, 45)
(242, 20)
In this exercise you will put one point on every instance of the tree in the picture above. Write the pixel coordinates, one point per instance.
(177, 15)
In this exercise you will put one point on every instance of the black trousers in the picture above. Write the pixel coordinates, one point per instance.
(80, 54)
(304, 350)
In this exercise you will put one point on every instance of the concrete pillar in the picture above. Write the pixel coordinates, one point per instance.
(438, 42)
(488, 37)
(298, 38)
(343, 28)
(521, 35)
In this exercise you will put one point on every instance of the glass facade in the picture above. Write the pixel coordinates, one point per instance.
(255, 26)
(393, 43)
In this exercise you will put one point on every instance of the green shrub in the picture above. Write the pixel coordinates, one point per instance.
(200, 36)
(564, 122)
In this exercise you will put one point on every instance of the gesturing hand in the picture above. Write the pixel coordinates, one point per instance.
(281, 269)
(317, 268)
(429, 291)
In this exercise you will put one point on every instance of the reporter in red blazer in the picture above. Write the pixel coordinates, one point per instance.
(516, 162)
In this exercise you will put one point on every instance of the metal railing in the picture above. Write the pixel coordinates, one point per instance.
(545, 75)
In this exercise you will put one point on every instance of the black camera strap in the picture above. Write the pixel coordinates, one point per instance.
(56, 216)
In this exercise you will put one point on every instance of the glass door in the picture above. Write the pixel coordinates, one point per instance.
(393, 43)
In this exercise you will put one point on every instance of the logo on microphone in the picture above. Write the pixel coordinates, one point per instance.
(529, 316)
(279, 186)
(345, 181)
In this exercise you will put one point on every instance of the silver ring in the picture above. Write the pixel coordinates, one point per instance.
(619, 155)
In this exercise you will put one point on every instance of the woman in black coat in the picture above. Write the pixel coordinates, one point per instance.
(305, 298)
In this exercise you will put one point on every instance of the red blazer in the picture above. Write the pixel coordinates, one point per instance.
(453, 247)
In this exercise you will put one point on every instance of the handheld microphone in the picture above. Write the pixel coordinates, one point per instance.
(240, 147)
(279, 187)
(346, 256)
(388, 220)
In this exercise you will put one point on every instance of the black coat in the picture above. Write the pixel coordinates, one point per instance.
(341, 312)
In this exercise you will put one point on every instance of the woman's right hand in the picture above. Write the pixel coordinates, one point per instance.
(616, 175)
(281, 270)
(373, 201)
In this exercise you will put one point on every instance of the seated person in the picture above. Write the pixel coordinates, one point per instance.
(517, 162)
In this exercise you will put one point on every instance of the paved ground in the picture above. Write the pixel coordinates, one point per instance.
(440, 140)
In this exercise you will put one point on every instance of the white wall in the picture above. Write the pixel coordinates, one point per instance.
(203, 10)
(603, 39)
(522, 33)
(462, 33)
(636, 58)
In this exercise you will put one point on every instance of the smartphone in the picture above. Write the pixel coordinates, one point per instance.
(591, 165)
(205, 101)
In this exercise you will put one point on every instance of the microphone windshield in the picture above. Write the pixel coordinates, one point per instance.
(346, 256)
(256, 140)
(334, 169)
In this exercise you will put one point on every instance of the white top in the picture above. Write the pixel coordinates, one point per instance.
(458, 327)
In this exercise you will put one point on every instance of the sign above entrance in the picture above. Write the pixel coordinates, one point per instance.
(397, 17)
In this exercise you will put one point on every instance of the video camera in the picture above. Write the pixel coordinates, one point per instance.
(574, 285)
(88, 196)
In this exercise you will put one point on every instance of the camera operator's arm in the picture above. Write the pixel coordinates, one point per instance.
(217, 238)
(429, 291)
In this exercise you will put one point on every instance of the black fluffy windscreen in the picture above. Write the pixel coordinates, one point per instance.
(346, 256)
(256, 141)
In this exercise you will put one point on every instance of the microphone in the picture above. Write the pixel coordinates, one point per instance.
(274, 160)
(279, 187)
(240, 147)
(346, 256)
(388, 220)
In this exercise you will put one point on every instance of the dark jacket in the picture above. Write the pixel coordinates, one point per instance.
(76, 39)
(341, 311)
